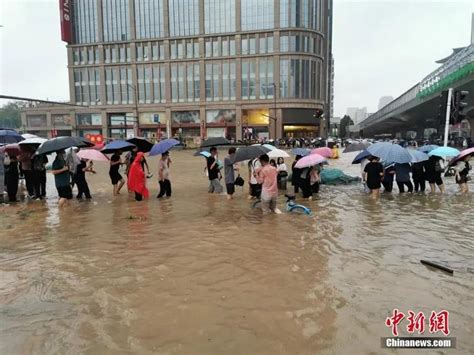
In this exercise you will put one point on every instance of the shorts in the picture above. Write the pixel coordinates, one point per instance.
(435, 179)
(255, 190)
(230, 189)
(374, 185)
(115, 178)
(463, 179)
(64, 192)
(269, 204)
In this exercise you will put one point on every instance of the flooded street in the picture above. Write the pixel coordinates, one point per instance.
(197, 274)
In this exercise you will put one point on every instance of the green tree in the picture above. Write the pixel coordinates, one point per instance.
(10, 115)
(345, 121)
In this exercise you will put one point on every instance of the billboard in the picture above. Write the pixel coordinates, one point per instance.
(65, 14)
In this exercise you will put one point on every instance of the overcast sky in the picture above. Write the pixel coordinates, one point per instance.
(380, 47)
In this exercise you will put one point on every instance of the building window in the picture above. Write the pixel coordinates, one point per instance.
(149, 22)
(265, 43)
(219, 16)
(257, 14)
(158, 51)
(88, 119)
(85, 21)
(228, 80)
(284, 82)
(300, 13)
(300, 78)
(248, 79)
(183, 17)
(142, 52)
(118, 83)
(87, 86)
(116, 20)
(159, 95)
(266, 82)
(144, 84)
(185, 82)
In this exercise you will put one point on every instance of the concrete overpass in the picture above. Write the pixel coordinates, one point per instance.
(417, 109)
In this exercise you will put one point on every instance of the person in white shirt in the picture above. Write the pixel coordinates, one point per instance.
(282, 174)
(164, 173)
(462, 169)
(255, 187)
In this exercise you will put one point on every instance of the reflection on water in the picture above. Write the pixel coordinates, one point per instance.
(200, 274)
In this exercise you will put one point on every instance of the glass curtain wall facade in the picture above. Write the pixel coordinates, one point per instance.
(188, 55)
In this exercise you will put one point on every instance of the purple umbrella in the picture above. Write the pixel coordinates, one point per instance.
(310, 160)
(163, 146)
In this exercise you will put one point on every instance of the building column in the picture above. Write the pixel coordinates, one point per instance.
(24, 122)
(105, 123)
(168, 123)
(100, 22)
(202, 119)
(131, 18)
(279, 123)
(72, 115)
(238, 120)
(201, 17)
(238, 17)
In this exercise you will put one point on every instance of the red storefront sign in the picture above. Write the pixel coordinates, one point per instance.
(66, 18)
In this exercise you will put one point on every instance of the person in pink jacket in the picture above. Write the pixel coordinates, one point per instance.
(267, 176)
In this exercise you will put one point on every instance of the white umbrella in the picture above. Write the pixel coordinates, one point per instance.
(278, 153)
(28, 136)
(33, 141)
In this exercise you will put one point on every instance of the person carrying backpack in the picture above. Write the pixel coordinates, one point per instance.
(434, 168)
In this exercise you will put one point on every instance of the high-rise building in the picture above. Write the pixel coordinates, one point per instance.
(384, 101)
(357, 114)
(194, 68)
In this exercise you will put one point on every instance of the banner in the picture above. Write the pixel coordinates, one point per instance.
(66, 17)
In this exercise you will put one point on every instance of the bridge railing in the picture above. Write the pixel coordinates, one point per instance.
(404, 98)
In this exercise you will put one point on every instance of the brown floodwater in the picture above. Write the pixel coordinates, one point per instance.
(197, 274)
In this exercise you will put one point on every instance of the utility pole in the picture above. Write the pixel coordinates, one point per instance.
(448, 116)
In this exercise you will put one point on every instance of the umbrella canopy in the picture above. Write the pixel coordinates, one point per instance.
(361, 156)
(92, 154)
(117, 145)
(427, 148)
(417, 156)
(443, 152)
(204, 154)
(33, 141)
(62, 143)
(9, 136)
(29, 136)
(278, 153)
(163, 146)
(250, 152)
(356, 147)
(390, 153)
(310, 160)
(214, 141)
(464, 153)
(142, 144)
(301, 151)
(12, 149)
(323, 151)
(269, 146)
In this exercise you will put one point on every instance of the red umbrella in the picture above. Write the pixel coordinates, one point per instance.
(11, 149)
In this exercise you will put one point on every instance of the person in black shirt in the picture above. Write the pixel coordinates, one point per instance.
(387, 180)
(418, 174)
(373, 176)
(296, 175)
(115, 177)
(12, 178)
(81, 182)
(213, 172)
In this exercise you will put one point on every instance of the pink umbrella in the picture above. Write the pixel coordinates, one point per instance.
(310, 160)
(92, 154)
(461, 155)
(323, 151)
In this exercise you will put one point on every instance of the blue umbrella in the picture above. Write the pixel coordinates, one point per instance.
(205, 154)
(163, 146)
(301, 151)
(117, 145)
(8, 136)
(418, 156)
(389, 152)
(361, 156)
(428, 148)
(444, 152)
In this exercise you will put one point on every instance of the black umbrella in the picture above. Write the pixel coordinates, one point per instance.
(214, 141)
(142, 144)
(356, 147)
(250, 152)
(61, 143)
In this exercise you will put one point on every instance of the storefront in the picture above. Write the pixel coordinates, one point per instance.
(152, 125)
(185, 124)
(221, 123)
(300, 123)
(61, 125)
(121, 125)
(88, 123)
(255, 124)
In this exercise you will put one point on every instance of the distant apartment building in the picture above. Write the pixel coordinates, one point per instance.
(384, 101)
(357, 114)
(194, 68)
